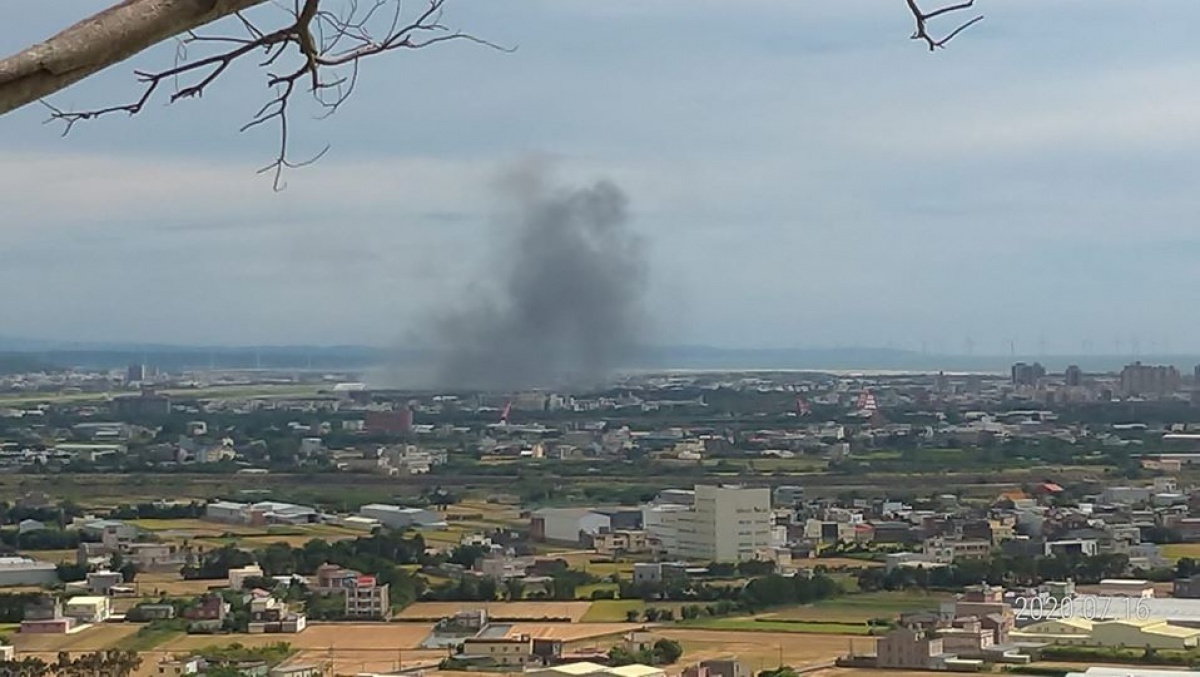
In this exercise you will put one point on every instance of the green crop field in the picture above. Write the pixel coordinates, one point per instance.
(857, 608)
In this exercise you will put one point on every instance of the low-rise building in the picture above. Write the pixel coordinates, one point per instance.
(509, 651)
(45, 616)
(269, 615)
(398, 517)
(366, 597)
(180, 667)
(567, 525)
(1126, 587)
(619, 542)
(88, 609)
(102, 582)
(238, 577)
(298, 670)
(19, 571)
(909, 649)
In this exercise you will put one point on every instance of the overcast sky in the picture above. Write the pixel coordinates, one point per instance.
(802, 173)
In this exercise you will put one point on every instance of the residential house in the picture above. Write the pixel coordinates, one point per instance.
(102, 582)
(620, 542)
(88, 609)
(505, 651)
(366, 597)
(45, 616)
(207, 614)
(910, 649)
(238, 577)
(180, 667)
(270, 615)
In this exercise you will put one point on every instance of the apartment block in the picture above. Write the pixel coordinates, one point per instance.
(366, 597)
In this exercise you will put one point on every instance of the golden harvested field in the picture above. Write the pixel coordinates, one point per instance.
(838, 563)
(1175, 551)
(866, 672)
(762, 650)
(55, 556)
(94, 638)
(571, 632)
(531, 610)
(171, 583)
(339, 636)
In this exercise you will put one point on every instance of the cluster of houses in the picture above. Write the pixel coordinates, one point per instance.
(728, 523)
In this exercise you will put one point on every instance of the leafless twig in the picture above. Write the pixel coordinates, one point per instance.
(324, 44)
(923, 18)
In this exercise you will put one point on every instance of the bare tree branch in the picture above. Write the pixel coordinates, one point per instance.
(923, 18)
(318, 41)
(100, 41)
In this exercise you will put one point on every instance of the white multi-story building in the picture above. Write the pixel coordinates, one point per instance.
(726, 524)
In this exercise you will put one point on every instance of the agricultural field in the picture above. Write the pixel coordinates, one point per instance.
(836, 563)
(615, 610)
(763, 650)
(102, 636)
(1175, 551)
(55, 556)
(576, 611)
(155, 583)
(857, 608)
(582, 560)
(752, 624)
(572, 632)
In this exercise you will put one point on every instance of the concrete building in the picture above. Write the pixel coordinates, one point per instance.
(509, 651)
(1187, 588)
(567, 525)
(16, 571)
(1143, 380)
(788, 496)
(396, 422)
(102, 582)
(619, 542)
(101, 529)
(180, 667)
(727, 524)
(88, 609)
(658, 521)
(270, 615)
(366, 597)
(909, 649)
(298, 670)
(724, 667)
(45, 616)
(227, 511)
(397, 517)
(238, 577)
(1126, 587)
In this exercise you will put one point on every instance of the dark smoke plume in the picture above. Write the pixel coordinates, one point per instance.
(564, 302)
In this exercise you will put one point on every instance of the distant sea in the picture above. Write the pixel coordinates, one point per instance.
(658, 358)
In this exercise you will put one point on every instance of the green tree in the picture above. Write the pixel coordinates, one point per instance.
(667, 651)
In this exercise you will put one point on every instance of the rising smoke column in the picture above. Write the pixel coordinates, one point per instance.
(563, 303)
